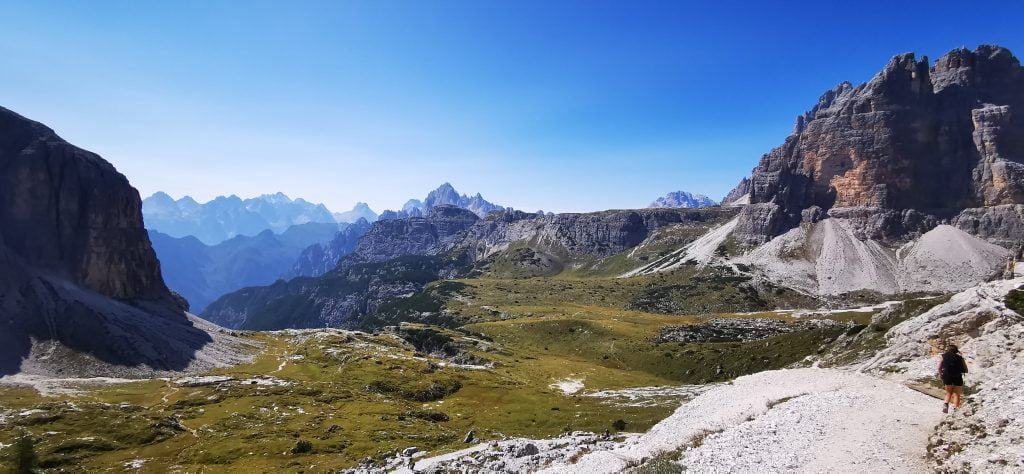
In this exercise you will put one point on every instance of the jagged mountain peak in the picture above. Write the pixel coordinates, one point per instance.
(443, 195)
(161, 196)
(278, 197)
(911, 147)
(682, 199)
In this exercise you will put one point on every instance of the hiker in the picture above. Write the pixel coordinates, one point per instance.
(952, 368)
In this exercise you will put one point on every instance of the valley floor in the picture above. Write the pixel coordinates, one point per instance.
(563, 386)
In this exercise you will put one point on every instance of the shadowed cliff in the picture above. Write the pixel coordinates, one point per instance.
(80, 285)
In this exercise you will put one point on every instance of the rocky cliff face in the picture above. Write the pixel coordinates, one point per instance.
(79, 282)
(1003, 225)
(912, 147)
(390, 238)
(68, 212)
(738, 193)
(595, 234)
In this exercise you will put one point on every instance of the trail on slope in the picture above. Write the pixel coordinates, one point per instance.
(800, 420)
(795, 420)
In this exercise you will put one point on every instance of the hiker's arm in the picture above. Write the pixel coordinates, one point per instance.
(940, 367)
(965, 366)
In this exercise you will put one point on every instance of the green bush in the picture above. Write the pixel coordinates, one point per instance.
(22, 458)
(302, 447)
(1015, 301)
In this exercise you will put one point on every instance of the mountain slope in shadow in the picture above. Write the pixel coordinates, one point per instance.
(80, 287)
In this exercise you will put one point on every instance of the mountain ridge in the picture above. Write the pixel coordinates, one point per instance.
(224, 217)
(449, 242)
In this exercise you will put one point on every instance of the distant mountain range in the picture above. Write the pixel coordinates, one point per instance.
(444, 195)
(682, 199)
(226, 217)
(201, 273)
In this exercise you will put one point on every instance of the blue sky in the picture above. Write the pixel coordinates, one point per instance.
(553, 105)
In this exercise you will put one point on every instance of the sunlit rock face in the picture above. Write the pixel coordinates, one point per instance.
(911, 148)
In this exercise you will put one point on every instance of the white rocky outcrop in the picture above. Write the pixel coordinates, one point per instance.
(988, 435)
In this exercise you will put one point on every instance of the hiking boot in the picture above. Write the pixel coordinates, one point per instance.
(945, 408)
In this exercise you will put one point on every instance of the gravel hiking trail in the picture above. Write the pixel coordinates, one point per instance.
(799, 420)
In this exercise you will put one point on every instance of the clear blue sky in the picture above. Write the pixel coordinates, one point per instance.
(554, 105)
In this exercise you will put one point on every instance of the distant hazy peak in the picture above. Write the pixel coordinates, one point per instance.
(412, 204)
(682, 199)
(277, 197)
(161, 196)
(361, 211)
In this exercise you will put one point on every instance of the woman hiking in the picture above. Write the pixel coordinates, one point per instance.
(952, 368)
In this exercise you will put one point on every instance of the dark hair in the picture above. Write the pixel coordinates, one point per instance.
(952, 349)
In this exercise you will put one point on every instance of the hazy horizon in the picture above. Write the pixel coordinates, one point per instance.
(565, 107)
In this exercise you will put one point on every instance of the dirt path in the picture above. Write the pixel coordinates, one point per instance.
(803, 420)
(800, 420)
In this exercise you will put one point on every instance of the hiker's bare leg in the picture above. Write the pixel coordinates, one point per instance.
(957, 390)
(949, 393)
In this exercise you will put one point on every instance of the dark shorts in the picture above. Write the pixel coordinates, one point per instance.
(954, 380)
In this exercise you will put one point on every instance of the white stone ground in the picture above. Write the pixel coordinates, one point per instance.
(988, 436)
(801, 420)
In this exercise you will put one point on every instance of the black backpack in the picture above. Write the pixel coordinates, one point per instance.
(953, 364)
